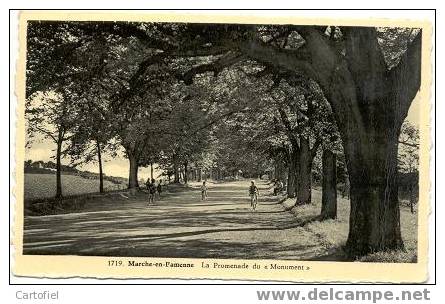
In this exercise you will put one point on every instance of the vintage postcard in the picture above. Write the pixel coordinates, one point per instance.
(168, 145)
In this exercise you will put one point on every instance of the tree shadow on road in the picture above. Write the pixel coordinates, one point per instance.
(180, 225)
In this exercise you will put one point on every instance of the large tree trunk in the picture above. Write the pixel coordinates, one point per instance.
(369, 104)
(99, 160)
(151, 170)
(329, 186)
(176, 177)
(186, 172)
(412, 197)
(375, 216)
(176, 173)
(304, 177)
(59, 166)
(291, 177)
(274, 173)
(199, 174)
(133, 182)
(281, 174)
(180, 173)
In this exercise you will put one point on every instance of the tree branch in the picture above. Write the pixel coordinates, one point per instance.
(409, 144)
(214, 121)
(64, 138)
(216, 67)
(333, 75)
(199, 52)
(144, 65)
(289, 130)
(290, 60)
(406, 76)
(365, 61)
(45, 132)
(127, 30)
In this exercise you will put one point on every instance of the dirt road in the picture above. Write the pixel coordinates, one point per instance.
(179, 225)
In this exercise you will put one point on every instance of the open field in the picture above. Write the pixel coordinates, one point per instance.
(44, 185)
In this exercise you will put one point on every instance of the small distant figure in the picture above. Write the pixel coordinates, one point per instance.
(203, 191)
(159, 188)
(151, 188)
(253, 192)
(278, 187)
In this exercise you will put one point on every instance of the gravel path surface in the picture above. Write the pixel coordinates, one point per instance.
(179, 225)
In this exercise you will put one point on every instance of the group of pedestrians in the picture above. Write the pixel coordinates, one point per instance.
(278, 187)
(153, 190)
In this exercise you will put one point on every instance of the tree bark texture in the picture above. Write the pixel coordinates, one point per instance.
(59, 166)
(99, 160)
(292, 174)
(329, 186)
(304, 177)
(133, 182)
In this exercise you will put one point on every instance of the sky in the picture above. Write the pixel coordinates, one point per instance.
(43, 149)
(112, 166)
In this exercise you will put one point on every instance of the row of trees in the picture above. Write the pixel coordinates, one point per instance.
(278, 94)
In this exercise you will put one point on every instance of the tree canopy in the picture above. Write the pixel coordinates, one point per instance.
(234, 97)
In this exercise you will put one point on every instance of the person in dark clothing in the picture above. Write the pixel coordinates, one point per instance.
(151, 188)
(159, 189)
(278, 187)
(253, 192)
(203, 191)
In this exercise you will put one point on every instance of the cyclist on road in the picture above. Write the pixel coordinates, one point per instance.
(151, 188)
(203, 191)
(253, 192)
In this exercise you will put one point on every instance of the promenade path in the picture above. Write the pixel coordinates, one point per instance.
(179, 225)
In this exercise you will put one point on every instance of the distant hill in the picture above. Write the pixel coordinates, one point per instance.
(41, 167)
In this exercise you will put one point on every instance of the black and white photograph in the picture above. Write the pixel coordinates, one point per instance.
(231, 141)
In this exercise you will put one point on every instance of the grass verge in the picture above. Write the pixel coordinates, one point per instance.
(334, 233)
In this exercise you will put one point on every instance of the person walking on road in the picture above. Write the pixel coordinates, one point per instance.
(159, 189)
(253, 192)
(278, 187)
(203, 191)
(151, 188)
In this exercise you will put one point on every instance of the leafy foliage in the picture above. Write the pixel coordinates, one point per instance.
(408, 156)
(178, 94)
